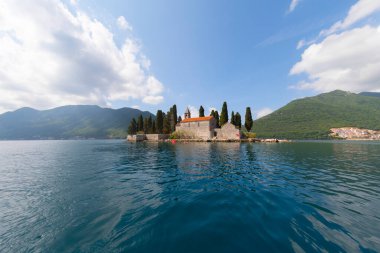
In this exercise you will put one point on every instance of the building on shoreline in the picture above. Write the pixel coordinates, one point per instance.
(205, 128)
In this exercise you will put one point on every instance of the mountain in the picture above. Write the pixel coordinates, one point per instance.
(313, 117)
(73, 121)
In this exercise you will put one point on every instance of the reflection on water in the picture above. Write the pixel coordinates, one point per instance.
(99, 196)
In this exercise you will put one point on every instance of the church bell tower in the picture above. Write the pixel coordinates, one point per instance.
(187, 113)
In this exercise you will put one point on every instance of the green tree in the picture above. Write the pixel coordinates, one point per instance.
(216, 116)
(238, 120)
(233, 118)
(172, 117)
(154, 131)
(150, 125)
(166, 124)
(179, 119)
(132, 128)
(224, 115)
(159, 122)
(248, 119)
(175, 116)
(201, 112)
(145, 126)
(140, 123)
(212, 113)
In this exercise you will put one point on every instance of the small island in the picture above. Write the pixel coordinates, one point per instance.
(212, 128)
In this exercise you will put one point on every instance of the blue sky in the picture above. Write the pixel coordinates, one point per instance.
(206, 52)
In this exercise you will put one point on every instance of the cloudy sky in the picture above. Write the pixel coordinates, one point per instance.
(150, 54)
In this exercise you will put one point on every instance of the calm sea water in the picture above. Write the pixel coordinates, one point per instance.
(112, 196)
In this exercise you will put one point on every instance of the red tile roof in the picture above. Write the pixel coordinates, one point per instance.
(207, 118)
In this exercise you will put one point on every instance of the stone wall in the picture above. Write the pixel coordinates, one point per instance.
(228, 132)
(147, 137)
(198, 129)
(156, 137)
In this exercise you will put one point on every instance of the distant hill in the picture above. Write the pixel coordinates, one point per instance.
(313, 117)
(370, 94)
(73, 121)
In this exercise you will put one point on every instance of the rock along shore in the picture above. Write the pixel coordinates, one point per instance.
(164, 138)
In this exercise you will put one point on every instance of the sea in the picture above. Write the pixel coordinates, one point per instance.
(114, 196)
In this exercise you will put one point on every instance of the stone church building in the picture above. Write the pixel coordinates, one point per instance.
(205, 128)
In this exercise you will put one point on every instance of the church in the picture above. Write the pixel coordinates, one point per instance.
(205, 128)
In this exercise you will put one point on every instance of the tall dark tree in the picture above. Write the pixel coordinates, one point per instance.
(132, 128)
(238, 120)
(248, 119)
(212, 113)
(140, 123)
(159, 122)
(224, 115)
(145, 125)
(216, 116)
(166, 124)
(233, 118)
(150, 125)
(172, 117)
(154, 131)
(175, 115)
(179, 119)
(201, 111)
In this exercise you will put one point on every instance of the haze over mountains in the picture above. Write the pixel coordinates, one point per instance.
(66, 122)
(307, 118)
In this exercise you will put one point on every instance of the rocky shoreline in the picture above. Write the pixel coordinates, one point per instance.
(164, 138)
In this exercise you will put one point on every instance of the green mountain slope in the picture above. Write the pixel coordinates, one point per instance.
(76, 121)
(312, 117)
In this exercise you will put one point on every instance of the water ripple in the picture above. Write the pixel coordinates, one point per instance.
(111, 196)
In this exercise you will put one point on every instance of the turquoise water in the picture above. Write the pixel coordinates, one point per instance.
(112, 196)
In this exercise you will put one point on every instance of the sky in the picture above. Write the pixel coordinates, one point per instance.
(151, 54)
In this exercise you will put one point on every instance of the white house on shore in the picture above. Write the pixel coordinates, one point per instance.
(206, 128)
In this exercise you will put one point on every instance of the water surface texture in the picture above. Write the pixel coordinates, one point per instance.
(112, 196)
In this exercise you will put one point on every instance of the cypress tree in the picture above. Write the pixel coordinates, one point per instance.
(175, 116)
(172, 117)
(132, 128)
(201, 112)
(150, 125)
(159, 122)
(145, 125)
(233, 118)
(154, 131)
(140, 123)
(224, 115)
(216, 116)
(248, 119)
(212, 113)
(166, 124)
(238, 120)
(179, 119)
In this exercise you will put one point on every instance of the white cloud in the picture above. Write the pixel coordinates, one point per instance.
(153, 100)
(293, 5)
(264, 112)
(342, 57)
(123, 24)
(347, 61)
(50, 56)
(358, 12)
(362, 9)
